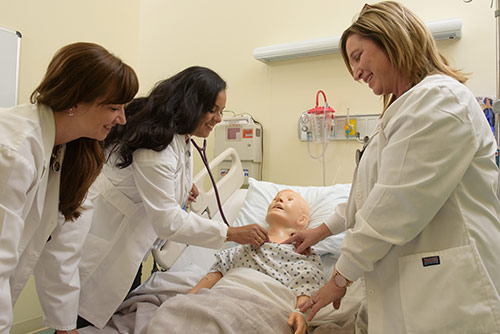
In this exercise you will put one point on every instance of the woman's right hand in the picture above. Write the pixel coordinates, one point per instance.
(303, 240)
(252, 234)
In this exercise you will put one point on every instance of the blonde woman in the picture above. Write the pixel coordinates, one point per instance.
(422, 221)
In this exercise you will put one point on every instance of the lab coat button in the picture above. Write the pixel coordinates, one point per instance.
(371, 292)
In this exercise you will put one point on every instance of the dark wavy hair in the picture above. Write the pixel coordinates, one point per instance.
(83, 72)
(174, 106)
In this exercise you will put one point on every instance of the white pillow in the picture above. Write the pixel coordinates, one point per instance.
(322, 201)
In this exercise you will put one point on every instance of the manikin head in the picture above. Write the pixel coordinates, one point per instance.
(288, 211)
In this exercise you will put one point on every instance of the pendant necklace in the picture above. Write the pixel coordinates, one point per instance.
(55, 163)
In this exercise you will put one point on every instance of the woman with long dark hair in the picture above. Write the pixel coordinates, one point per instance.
(50, 154)
(144, 186)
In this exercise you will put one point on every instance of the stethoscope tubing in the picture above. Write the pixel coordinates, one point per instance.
(203, 155)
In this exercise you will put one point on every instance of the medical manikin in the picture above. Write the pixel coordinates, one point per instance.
(287, 214)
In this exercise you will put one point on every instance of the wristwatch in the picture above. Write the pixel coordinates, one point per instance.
(340, 281)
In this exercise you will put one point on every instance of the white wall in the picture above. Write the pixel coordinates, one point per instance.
(161, 37)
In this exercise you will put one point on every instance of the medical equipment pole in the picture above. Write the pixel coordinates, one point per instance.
(496, 103)
(497, 17)
(324, 137)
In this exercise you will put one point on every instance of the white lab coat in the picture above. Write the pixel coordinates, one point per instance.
(422, 217)
(132, 208)
(29, 196)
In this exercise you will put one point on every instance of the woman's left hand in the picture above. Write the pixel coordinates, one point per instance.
(329, 293)
(193, 193)
(303, 240)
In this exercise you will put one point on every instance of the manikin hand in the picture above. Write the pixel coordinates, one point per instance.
(206, 282)
(297, 322)
(329, 293)
(252, 234)
(303, 240)
(193, 193)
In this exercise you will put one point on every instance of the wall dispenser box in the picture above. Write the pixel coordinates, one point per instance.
(244, 135)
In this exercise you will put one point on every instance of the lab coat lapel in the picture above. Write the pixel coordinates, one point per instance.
(33, 217)
(36, 244)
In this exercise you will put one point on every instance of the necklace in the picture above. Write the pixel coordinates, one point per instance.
(55, 163)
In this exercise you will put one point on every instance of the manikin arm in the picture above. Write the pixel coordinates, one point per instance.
(206, 282)
(297, 320)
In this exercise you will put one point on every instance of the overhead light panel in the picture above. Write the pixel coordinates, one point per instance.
(308, 48)
(444, 29)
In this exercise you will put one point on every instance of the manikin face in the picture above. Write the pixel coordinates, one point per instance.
(370, 64)
(210, 119)
(289, 208)
(97, 119)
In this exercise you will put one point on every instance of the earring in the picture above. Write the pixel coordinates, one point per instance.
(70, 113)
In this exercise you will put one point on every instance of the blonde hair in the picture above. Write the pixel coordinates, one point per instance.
(404, 38)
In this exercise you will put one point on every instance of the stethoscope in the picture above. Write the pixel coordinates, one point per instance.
(359, 153)
(203, 155)
(366, 140)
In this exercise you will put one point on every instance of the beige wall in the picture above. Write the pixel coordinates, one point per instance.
(161, 37)
(47, 25)
(222, 35)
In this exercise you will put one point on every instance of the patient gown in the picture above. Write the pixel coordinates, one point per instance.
(303, 274)
(256, 294)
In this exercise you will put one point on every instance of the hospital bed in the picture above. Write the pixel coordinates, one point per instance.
(232, 197)
(182, 266)
(246, 206)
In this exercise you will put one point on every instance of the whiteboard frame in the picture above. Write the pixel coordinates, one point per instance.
(13, 54)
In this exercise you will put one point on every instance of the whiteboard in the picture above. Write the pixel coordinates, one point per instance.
(10, 47)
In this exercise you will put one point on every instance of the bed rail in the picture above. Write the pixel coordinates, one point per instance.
(206, 203)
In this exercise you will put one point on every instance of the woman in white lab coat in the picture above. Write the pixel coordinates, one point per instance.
(80, 99)
(422, 220)
(144, 186)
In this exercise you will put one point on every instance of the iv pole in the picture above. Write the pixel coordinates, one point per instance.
(496, 104)
(497, 110)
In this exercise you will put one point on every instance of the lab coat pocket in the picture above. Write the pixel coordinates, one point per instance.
(447, 291)
(102, 236)
(93, 252)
